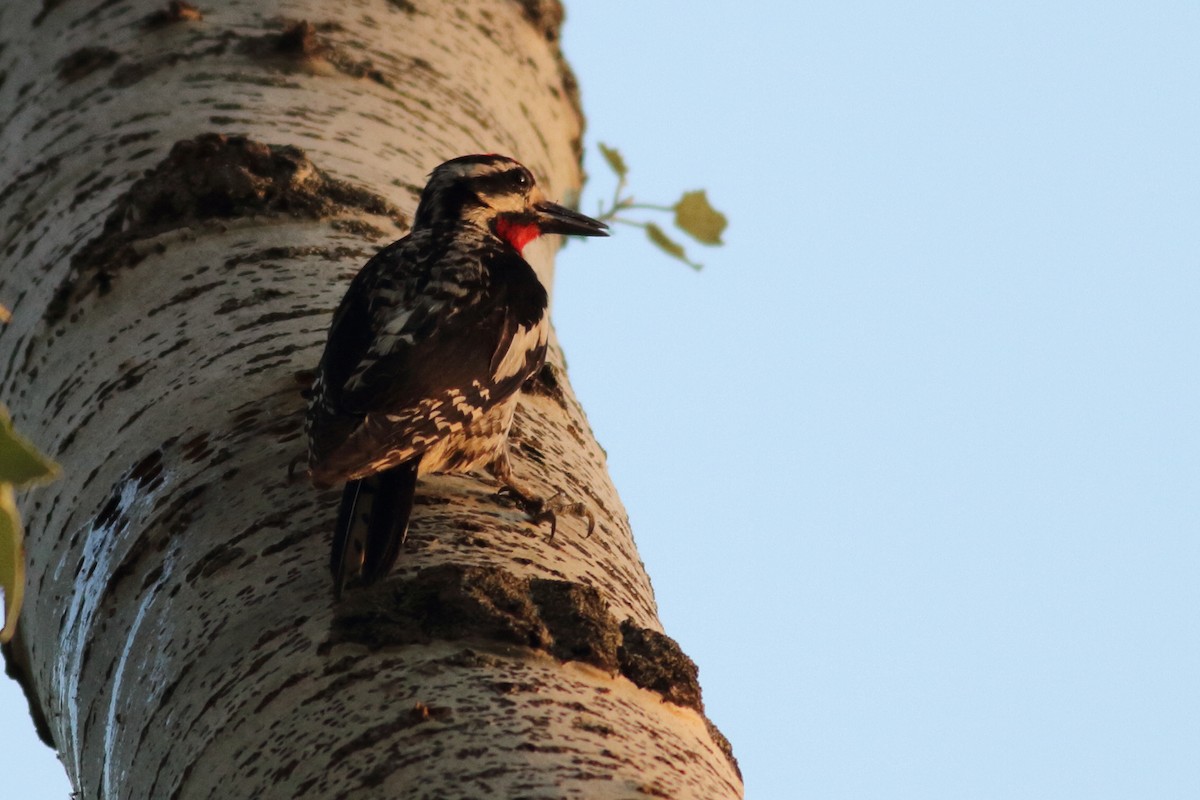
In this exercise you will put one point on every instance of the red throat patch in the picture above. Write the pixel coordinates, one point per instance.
(518, 234)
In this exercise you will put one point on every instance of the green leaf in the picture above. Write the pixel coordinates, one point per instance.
(613, 157)
(20, 462)
(12, 561)
(698, 219)
(668, 245)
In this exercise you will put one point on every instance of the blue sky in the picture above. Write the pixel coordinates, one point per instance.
(914, 462)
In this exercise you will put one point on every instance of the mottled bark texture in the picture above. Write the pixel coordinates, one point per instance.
(184, 193)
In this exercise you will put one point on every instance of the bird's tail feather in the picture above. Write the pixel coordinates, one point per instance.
(372, 525)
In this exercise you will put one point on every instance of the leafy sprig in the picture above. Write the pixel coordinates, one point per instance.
(693, 214)
(20, 465)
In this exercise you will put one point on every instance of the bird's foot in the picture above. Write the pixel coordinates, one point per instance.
(539, 509)
(549, 508)
(291, 470)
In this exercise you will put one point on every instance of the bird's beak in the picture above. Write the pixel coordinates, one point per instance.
(553, 218)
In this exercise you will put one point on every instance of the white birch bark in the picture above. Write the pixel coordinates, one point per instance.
(182, 202)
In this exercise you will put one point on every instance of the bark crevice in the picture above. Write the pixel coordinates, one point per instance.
(210, 178)
(566, 619)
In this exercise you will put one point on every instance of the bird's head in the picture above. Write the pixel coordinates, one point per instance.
(499, 195)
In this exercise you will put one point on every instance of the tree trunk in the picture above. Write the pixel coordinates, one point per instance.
(185, 196)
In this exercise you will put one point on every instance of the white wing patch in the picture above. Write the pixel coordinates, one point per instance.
(523, 342)
(395, 330)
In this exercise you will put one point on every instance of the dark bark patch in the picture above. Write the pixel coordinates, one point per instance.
(285, 771)
(411, 188)
(368, 739)
(403, 5)
(197, 449)
(270, 696)
(416, 62)
(129, 377)
(148, 471)
(655, 661)
(110, 511)
(128, 566)
(530, 747)
(579, 622)
(246, 422)
(211, 178)
(300, 40)
(47, 7)
(85, 61)
(84, 194)
(145, 476)
(534, 454)
(357, 227)
(723, 745)
(214, 561)
(139, 558)
(271, 317)
(28, 182)
(175, 12)
(597, 728)
(17, 668)
(444, 602)
(137, 136)
(151, 578)
(288, 253)
(127, 74)
(178, 509)
(215, 177)
(185, 296)
(256, 297)
(289, 542)
(567, 620)
(546, 16)
(513, 687)
(303, 46)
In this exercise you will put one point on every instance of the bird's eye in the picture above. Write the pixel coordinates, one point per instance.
(523, 180)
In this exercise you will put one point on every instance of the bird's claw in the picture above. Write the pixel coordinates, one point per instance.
(547, 510)
(291, 470)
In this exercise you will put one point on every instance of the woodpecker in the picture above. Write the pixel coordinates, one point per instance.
(427, 353)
